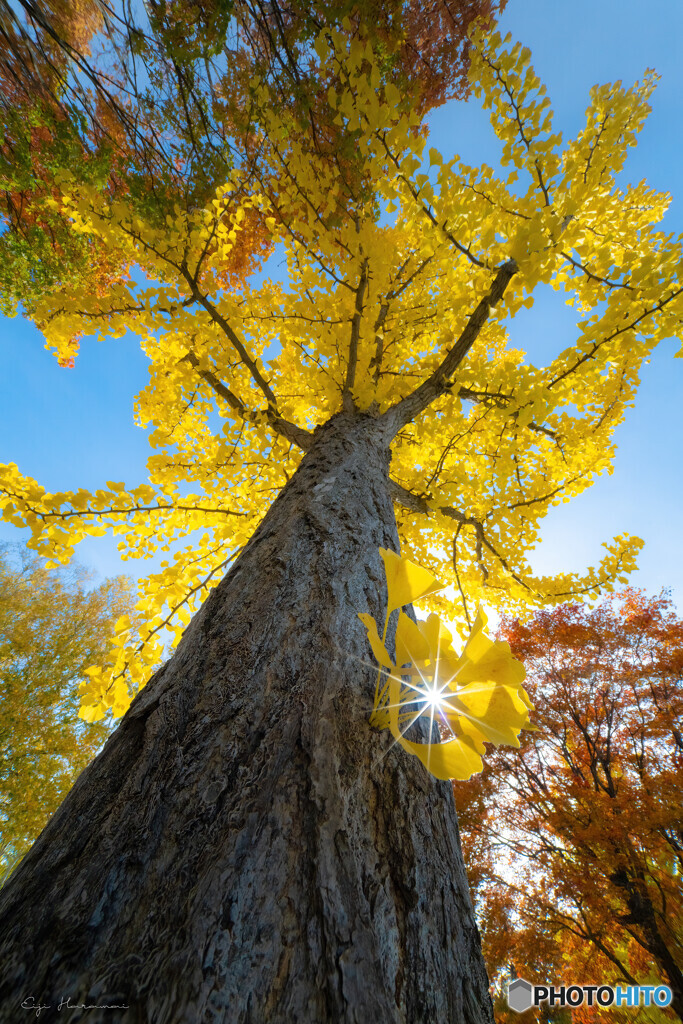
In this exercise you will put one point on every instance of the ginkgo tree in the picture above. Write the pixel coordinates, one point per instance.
(423, 286)
(265, 854)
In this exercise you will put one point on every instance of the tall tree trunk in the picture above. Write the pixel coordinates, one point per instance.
(245, 848)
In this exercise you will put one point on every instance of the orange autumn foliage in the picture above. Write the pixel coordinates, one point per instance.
(74, 99)
(584, 824)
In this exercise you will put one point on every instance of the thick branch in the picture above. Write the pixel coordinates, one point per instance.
(219, 319)
(409, 407)
(413, 502)
(290, 431)
(235, 403)
(347, 397)
(414, 191)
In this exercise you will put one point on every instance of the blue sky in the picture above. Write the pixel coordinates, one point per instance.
(74, 428)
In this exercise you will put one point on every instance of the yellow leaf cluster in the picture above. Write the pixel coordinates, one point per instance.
(475, 697)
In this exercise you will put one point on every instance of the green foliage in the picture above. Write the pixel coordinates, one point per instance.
(38, 250)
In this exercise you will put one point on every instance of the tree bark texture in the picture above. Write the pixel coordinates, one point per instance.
(246, 848)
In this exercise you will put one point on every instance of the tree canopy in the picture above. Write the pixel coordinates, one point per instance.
(51, 628)
(404, 265)
(153, 105)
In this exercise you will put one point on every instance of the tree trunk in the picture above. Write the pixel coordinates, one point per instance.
(642, 914)
(245, 848)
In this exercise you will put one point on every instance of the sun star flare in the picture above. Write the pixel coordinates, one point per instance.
(475, 697)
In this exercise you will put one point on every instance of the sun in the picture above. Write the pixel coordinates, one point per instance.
(434, 699)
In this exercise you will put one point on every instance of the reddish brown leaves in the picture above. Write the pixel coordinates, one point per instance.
(591, 807)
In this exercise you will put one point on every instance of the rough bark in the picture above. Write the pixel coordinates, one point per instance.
(245, 848)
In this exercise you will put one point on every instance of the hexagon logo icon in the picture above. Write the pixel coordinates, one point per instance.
(520, 995)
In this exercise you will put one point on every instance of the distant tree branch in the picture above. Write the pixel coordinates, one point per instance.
(656, 308)
(417, 503)
(218, 318)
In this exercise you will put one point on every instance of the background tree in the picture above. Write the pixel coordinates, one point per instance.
(52, 627)
(589, 809)
(262, 857)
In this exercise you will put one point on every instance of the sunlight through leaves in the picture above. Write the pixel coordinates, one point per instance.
(470, 699)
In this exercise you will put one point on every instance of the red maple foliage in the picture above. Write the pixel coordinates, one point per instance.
(75, 96)
(583, 825)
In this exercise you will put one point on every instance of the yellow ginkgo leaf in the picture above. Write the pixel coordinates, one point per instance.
(478, 643)
(498, 712)
(486, 660)
(121, 699)
(468, 727)
(437, 636)
(495, 665)
(455, 759)
(378, 648)
(452, 759)
(92, 712)
(412, 646)
(406, 581)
